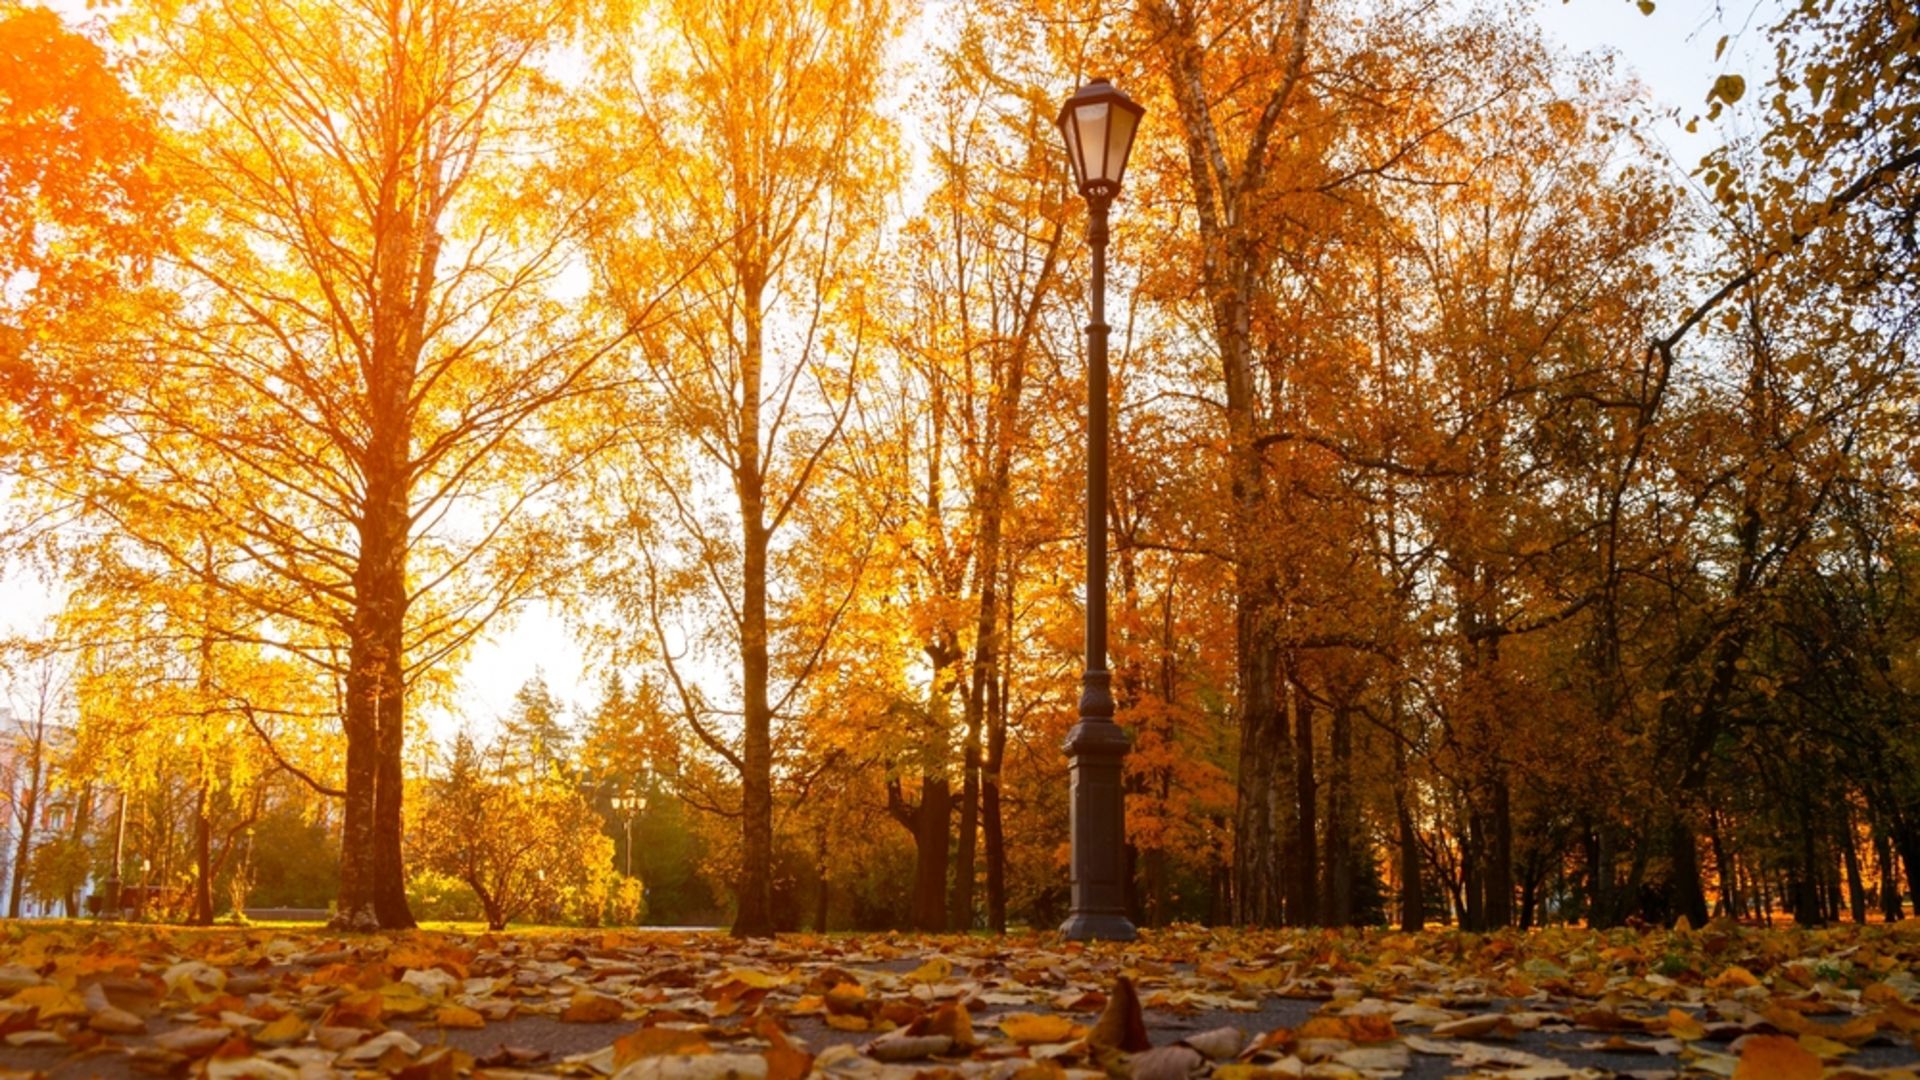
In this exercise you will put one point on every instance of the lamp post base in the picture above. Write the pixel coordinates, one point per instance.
(1105, 927)
(1095, 749)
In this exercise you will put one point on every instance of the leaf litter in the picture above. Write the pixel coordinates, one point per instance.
(1723, 1001)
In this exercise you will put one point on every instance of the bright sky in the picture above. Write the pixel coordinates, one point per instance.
(1670, 51)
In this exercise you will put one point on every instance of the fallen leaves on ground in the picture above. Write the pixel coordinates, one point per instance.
(1723, 1001)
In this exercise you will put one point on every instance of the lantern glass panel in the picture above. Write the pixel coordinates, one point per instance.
(1092, 122)
(1119, 139)
(1071, 132)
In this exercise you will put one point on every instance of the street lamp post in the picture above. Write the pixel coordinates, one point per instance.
(119, 847)
(1098, 123)
(629, 803)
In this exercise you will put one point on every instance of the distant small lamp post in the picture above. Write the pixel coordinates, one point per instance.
(627, 804)
(1098, 123)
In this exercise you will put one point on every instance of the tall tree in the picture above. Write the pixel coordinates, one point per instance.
(752, 163)
(343, 397)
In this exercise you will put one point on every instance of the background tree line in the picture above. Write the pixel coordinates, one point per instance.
(1508, 525)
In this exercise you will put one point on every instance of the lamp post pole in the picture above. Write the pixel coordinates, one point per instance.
(119, 848)
(1098, 123)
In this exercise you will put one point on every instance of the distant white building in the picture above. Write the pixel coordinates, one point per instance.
(52, 811)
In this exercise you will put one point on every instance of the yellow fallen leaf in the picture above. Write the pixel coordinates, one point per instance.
(1362, 1029)
(458, 1016)
(50, 1002)
(1269, 978)
(1775, 1057)
(1254, 1072)
(847, 998)
(1734, 978)
(753, 978)
(284, 1031)
(654, 1042)
(1824, 1047)
(402, 999)
(588, 1007)
(935, 970)
(1681, 1025)
(1031, 1028)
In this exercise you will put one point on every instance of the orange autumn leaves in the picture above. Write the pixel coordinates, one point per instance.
(1174, 1006)
(81, 211)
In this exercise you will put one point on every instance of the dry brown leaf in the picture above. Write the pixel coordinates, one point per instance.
(116, 1022)
(898, 1046)
(951, 1020)
(439, 1063)
(1218, 1044)
(696, 1067)
(1167, 1063)
(1121, 1025)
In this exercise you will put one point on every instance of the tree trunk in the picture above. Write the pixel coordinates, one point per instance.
(1690, 893)
(1807, 908)
(960, 907)
(1499, 865)
(1413, 902)
(1890, 909)
(754, 898)
(1473, 871)
(389, 819)
(929, 822)
(203, 856)
(1850, 859)
(372, 877)
(1723, 866)
(1529, 896)
(1832, 866)
(77, 835)
(354, 909)
(1260, 818)
(1303, 908)
(993, 829)
(1232, 272)
(1906, 843)
(25, 814)
(1598, 877)
(820, 894)
(1338, 906)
